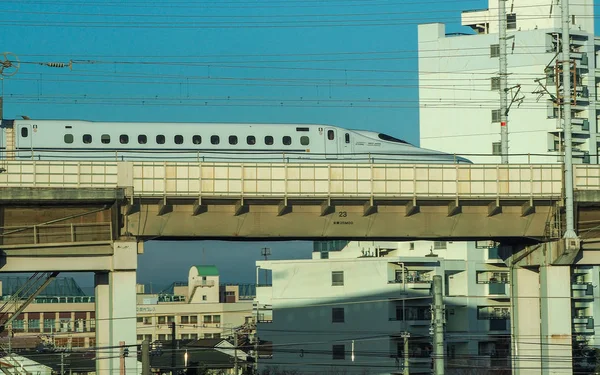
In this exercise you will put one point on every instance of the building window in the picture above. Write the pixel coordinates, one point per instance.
(194, 319)
(268, 140)
(496, 115)
(142, 139)
(105, 138)
(178, 139)
(207, 319)
(124, 139)
(496, 148)
(233, 140)
(216, 318)
(337, 278)
(338, 351)
(214, 139)
(511, 21)
(498, 325)
(324, 255)
(494, 50)
(203, 298)
(411, 246)
(139, 319)
(160, 139)
(68, 138)
(251, 140)
(185, 320)
(439, 245)
(49, 325)
(337, 315)
(87, 138)
(196, 139)
(162, 337)
(33, 325)
(495, 83)
(304, 140)
(287, 140)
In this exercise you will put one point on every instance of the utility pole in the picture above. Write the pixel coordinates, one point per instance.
(235, 358)
(503, 73)
(406, 366)
(145, 357)
(173, 346)
(62, 363)
(122, 358)
(571, 240)
(438, 326)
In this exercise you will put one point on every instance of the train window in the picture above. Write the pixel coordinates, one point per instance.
(304, 140)
(287, 140)
(124, 139)
(268, 140)
(301, 129)
(178, 139)
(214, 139)
(233, 140)
(251, 140)
(142, 139)
(196, 139)
(68, 138)
(330, 135)
(389, 138)
(160, 139)
(87, 138)
(105, 138)
(347, 137)
(24, 132)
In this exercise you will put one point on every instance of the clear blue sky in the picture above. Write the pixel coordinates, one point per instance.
(350, 63)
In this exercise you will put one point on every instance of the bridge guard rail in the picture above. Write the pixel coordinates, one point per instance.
(294, 180)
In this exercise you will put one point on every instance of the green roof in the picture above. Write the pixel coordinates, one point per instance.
(207, 270)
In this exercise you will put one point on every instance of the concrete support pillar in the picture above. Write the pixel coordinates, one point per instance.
(555, 290)
(525, 322)
(541, 320)
(116, 311)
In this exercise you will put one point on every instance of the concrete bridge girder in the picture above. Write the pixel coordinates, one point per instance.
(310, 218)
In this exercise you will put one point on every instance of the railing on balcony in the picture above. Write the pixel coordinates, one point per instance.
(206, 283)
(412, 313)
(491, 312)
(490, 277)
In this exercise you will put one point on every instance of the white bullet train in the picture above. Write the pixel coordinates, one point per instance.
(86, 140)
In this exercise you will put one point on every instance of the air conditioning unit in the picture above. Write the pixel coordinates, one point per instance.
(218, 325)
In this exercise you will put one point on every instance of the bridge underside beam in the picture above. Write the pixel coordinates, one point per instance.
(308, 219)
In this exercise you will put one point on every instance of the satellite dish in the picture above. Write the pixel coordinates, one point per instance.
(10, 64)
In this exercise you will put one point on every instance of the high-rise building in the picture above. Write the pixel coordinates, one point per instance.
(349, 308)
(459, 84)
(459, 90)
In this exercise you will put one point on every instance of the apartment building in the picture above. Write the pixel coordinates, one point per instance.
(459, 84)
(200, 308)
(460, 72)
(350, 307)
(64, 317)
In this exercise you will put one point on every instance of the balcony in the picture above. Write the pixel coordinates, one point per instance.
(490, 277)
(492, 312)
(206, 283)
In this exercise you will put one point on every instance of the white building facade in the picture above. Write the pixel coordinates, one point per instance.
(346, 311)
(459, 84)
(459, 113)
